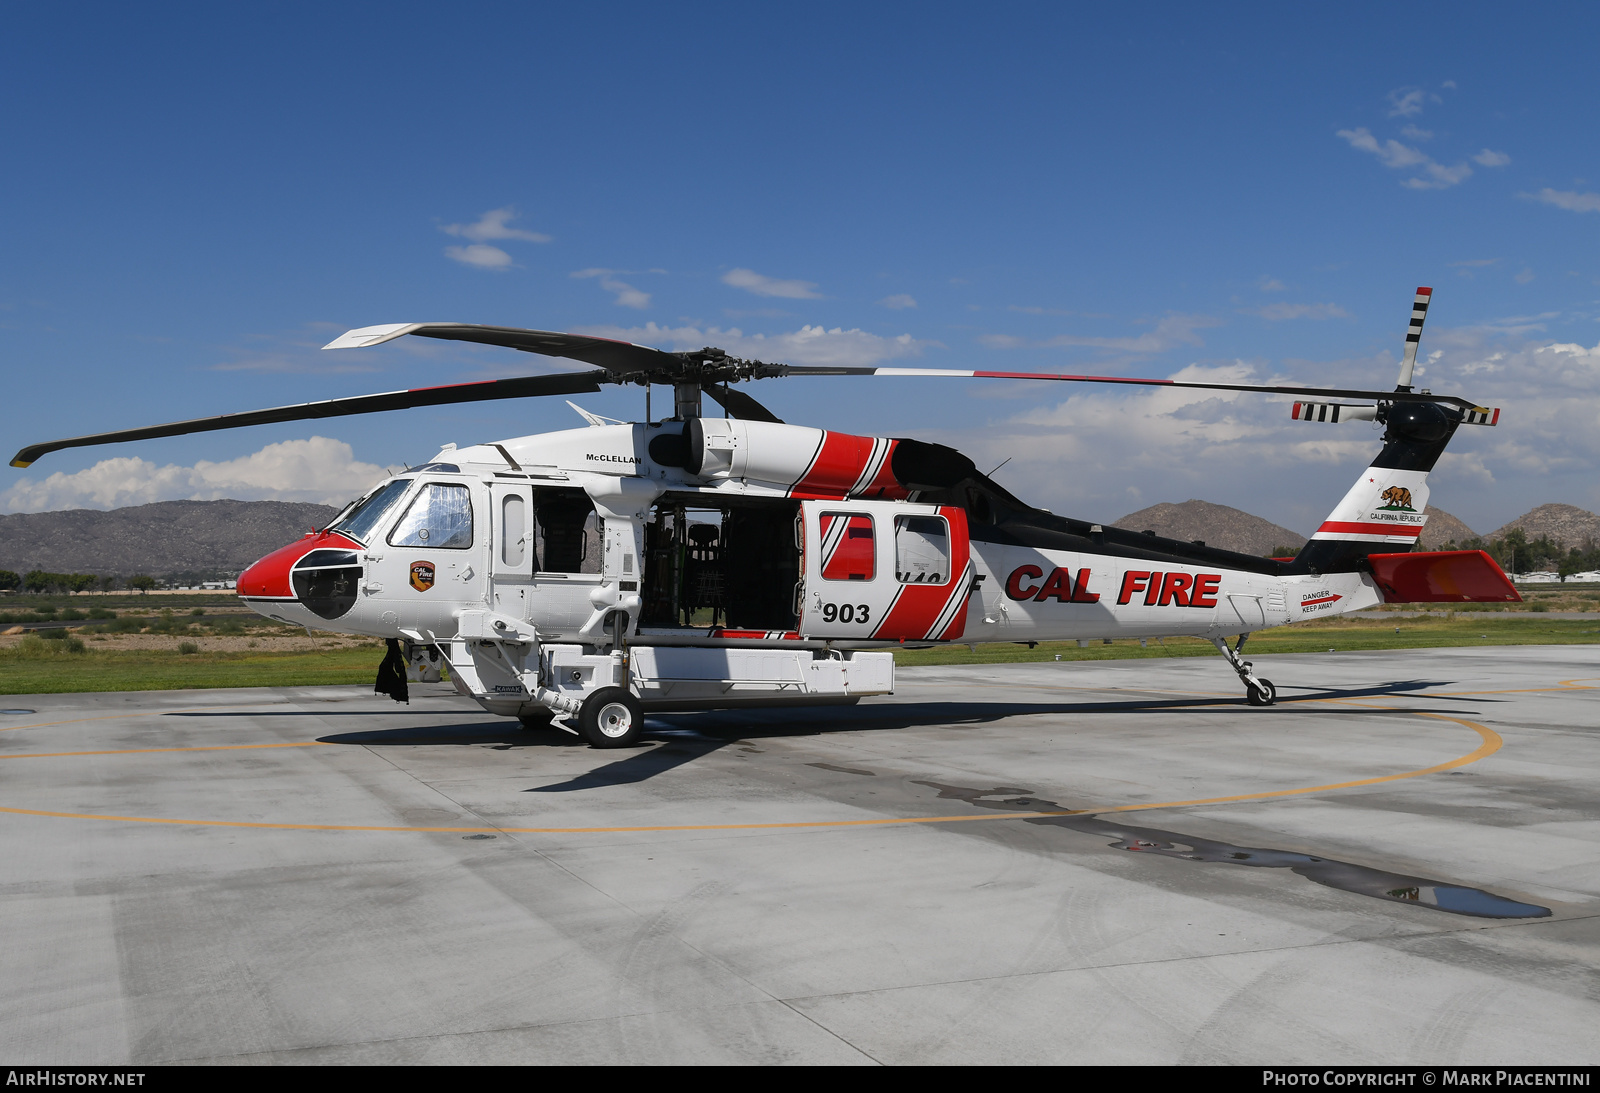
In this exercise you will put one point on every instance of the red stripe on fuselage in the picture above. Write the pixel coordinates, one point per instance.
(839, 461)
(1344, 527)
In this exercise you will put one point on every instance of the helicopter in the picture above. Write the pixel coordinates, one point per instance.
(586, 577)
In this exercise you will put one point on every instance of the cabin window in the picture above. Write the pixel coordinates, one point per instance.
(921, 550)
(513, 530)
(440, 518)
(568, 532)
(849, 550)
(367, 513)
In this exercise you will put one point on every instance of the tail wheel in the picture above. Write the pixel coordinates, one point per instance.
(611, 718)
(1262, 693)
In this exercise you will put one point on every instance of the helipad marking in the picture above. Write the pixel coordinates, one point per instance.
(1491, 743)
(151, 713)
(147, 751)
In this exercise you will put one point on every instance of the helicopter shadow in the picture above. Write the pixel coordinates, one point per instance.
(691, 736)
(677, 739)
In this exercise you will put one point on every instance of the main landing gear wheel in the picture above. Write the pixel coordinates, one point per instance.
(1263, 693)
(611, 718)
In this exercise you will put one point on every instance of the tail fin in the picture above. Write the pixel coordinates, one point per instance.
(1384, 512)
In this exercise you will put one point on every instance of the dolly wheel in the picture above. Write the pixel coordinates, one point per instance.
(1262, 694)
(611, 718)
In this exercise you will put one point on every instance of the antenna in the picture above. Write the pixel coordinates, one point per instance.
(1419, 313)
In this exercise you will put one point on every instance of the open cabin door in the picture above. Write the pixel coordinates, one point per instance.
(884, 570)
(514, 548)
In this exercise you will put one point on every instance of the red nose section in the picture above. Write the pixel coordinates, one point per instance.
(268, 579)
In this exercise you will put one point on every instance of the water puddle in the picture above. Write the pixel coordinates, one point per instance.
(1347, 877)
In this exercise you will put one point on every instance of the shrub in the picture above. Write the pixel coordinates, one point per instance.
(187, 647)
(198, 611)
(59, 634)
(36, 647)
(102, 613)
(72, 614)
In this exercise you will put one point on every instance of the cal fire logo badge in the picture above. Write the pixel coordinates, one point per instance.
(422, 576)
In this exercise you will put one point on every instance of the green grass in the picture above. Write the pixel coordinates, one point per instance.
(1343, 635)
(40, 666)
(41, 669)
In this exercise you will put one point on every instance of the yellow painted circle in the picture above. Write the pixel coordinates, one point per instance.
(1489, 743)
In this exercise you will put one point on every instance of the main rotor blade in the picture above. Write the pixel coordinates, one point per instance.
(567, 383)
(1266, 389)
(740, 405)
(622, 358)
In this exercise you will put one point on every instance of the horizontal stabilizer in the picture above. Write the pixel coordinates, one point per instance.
(1332, 411)
(1482, 415)
(1446, 576)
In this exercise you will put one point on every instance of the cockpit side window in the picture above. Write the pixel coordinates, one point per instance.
(439, 518)
(367, 513)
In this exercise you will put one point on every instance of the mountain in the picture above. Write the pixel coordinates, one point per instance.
(1443, 528)
(1565, 524)
(1215, 525)
(215, 538)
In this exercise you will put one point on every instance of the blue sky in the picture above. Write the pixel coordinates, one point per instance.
(196, 197)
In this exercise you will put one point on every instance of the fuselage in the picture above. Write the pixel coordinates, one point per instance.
(739, 532)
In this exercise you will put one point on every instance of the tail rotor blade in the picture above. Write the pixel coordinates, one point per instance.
(1419, 314)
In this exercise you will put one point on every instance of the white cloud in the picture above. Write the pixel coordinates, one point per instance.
(481, 255)
(492, 225)
(1439, 177)
(1243, 449)
(898, 302)
(1280, 312)
(808, 345)
(1474, 262)
(1271, 284)
(1488, 158)
(1524, 276)
(1416, 132)
(627, 295)
(1407, 102)
(751, 281)
(318, 470)
(1391, 153)
(1570, 200)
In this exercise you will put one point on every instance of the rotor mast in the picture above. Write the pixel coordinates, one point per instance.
(686, 400)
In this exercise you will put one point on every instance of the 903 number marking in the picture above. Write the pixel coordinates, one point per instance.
(845, 612)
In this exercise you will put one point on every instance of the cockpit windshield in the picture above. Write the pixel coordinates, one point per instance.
(367, 514)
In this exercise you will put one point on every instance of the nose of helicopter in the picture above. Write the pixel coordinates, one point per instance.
(320, 571)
